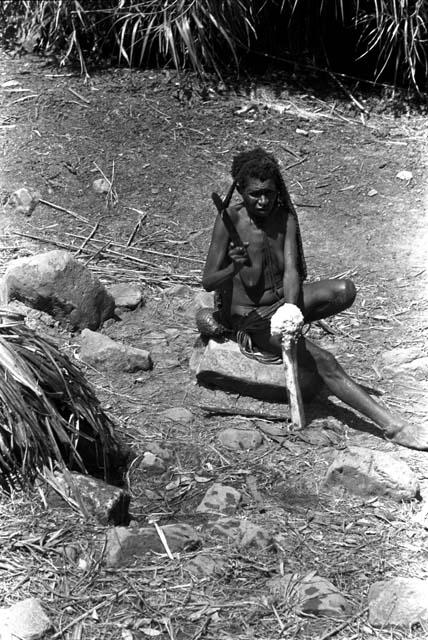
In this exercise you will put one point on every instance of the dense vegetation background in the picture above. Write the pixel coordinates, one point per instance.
(376, 39)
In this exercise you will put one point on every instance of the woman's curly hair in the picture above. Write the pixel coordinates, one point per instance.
(256, 163)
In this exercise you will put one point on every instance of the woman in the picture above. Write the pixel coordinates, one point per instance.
(253, 278)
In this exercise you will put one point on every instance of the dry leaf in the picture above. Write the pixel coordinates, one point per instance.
(152, 633)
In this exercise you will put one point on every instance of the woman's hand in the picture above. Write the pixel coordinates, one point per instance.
(238, 254)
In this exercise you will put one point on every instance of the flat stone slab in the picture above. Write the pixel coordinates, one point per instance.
(24, 620)
(220, 499)
(405, 360)
(125, 545)
(223, 366)
(242, 533)
(365, 472)
(126, 296)
(177, 414)
(221, 402)
(310, 594)
(240, 439)
(109, 504)
(103, 353)
(400, 602)
(204, 565)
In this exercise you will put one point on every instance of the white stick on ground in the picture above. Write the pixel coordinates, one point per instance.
(287, 322)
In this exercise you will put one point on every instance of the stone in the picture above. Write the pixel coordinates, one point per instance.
(240, 439)
(178, 291)
(404, 360)
(56, 283)
(203, 299)
(151, 464)
(220, 402)
(204, 565)
(310, 594)
(365, 472)
(103, 353)
(109, 504)
(24, 201)
(24, 620)
(399, 602)
(220, 499)
(101, 185)
(126, 296)
(125, 545)
(223, 366)
(160, 450)
(242, 533)
(177, 414)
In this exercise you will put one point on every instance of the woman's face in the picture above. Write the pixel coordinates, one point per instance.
(260, 197)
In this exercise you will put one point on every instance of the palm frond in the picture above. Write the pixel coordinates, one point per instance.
(48, 412)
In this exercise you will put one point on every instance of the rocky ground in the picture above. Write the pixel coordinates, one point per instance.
(237, 532)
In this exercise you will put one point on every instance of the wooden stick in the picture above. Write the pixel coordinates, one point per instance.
(348, 93)
(97, 253)
(135, 229)
(70, 213)
(78, 95)
(85, 242)
(289, 360)
(141, 249)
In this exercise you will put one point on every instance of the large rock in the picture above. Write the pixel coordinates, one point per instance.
(24, 620)
(103, 353)
(400, 602)
(62, 287)
(405, 361)
(222, 365)
(310, 594)
(365, 472)
(124, 545)
(107, 503)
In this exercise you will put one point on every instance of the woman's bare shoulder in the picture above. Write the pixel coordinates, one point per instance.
(236, 211)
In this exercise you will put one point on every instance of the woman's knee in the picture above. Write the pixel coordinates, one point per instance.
(326, 364)
(345, 293)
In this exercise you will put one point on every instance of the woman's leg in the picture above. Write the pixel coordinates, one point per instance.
(394, 427)
(312, 357)
(326, 297)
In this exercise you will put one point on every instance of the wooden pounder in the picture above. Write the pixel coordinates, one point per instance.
(287, 322)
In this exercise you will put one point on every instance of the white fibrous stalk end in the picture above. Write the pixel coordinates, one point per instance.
(287, 322)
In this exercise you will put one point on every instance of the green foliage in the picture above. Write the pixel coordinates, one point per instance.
(199, 33)
(397, 32)
(390, 35)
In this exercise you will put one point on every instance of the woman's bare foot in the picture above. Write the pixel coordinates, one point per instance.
(408, 435)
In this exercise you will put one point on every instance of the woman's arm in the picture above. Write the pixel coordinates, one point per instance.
(214, 273)
(291, 282)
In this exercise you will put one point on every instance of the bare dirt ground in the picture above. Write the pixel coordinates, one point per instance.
(170, 144)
